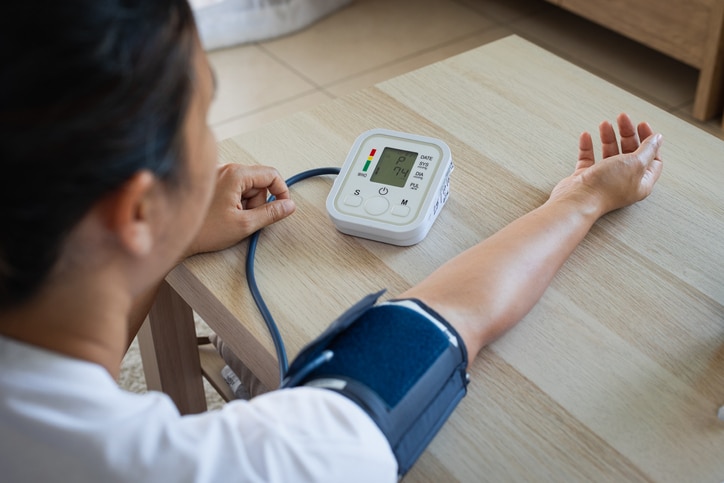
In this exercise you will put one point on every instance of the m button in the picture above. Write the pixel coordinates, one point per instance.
(400, 210)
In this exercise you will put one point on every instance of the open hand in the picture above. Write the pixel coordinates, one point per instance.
(626, 174)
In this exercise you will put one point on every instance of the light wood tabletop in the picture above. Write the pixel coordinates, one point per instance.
(617, 373)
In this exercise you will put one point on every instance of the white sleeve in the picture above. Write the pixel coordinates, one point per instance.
(65, 418)
(301, 434)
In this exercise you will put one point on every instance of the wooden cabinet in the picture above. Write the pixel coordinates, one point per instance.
(687, 30)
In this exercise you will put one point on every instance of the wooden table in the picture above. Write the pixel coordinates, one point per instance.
(618, 372)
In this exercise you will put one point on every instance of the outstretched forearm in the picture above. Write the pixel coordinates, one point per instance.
(488, 288)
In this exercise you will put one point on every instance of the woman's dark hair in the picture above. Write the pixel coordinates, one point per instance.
(91, 92)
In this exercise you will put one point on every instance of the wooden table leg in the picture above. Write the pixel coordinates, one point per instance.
(710, 89)
(169, 352)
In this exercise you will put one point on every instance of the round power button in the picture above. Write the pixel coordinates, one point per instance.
(377, 205)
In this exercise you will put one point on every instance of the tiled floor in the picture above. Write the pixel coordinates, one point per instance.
(373, 40)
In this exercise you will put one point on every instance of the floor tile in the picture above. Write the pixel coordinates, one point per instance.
(270, 113)
(373, 33)
(399, 67)
(634, 67)
(248, 79)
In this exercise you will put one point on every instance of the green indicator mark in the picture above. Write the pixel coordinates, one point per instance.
(367, 165)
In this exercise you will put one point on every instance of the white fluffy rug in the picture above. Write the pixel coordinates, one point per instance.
(223, 23)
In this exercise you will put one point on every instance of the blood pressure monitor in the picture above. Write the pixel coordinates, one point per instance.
(391, 187)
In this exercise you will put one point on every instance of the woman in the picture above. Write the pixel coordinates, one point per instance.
(110, 178)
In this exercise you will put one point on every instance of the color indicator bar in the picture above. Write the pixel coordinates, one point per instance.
(369, 160)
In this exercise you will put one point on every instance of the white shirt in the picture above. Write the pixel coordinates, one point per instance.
(64, 419)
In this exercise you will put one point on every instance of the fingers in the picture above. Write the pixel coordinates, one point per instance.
(630, 136)
(627, 131)
(239, 208)
(648, 155)
(649, 149)
(644, 130)
(262, 216)
(652, 174)
(630, 143)
(257, 183)
(586, 158)
(609, 143)
(260, 180)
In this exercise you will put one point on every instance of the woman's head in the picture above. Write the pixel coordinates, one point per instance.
(91, 93)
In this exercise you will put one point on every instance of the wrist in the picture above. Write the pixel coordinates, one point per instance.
(574, 193)
(587, 204)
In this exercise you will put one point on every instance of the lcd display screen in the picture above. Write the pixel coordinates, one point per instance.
(394, 167)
